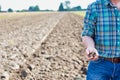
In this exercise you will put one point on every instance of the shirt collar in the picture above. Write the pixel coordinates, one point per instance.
(108, 4)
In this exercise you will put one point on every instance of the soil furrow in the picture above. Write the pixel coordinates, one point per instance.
(42, 47)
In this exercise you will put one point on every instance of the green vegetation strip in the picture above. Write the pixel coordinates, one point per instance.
(81, 13)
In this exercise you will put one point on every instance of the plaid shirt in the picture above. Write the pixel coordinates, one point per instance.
(102, 23)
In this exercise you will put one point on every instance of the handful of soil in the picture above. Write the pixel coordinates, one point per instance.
(92, 54)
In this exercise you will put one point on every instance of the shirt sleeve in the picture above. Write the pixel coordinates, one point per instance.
(89, 22)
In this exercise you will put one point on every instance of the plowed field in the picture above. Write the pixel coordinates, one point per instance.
(41, 46)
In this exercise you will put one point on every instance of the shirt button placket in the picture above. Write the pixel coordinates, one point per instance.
(118, 30)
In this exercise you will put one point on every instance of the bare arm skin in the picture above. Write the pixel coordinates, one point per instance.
(88, 41)
(90, 47)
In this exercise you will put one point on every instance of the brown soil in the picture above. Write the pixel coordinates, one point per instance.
(42, 47)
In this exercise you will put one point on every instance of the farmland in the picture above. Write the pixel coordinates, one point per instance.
(80, 13)
(41, 46)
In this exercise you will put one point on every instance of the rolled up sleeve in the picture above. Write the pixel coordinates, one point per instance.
(89, 22)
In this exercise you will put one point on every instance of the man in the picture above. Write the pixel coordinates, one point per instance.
(101, 35)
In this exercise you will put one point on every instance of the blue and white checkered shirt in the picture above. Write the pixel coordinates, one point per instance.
(102, 23)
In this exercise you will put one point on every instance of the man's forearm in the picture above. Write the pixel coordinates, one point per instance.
(88, 41)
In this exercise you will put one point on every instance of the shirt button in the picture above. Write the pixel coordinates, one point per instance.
(118, 19)
(115, 8)
(118, 42)
(118, 30)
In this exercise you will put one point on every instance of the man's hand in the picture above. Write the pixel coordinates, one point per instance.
(90, 45)
(92, 53)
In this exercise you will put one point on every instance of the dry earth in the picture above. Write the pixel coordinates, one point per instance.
(42, 47)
